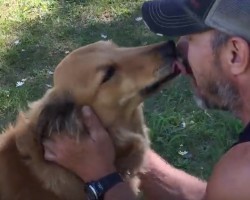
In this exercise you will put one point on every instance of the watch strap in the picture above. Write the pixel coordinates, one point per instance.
(110, 181)
(101, 186)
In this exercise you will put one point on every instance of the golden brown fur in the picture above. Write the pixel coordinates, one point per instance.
(113, 81)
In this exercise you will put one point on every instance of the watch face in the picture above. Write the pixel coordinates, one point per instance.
(95, 190)
(91, 194)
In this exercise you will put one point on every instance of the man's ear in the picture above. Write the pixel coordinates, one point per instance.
(237, 55)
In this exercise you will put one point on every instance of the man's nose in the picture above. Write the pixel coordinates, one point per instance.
(182, 47)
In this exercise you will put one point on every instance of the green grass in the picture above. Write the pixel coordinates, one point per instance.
(36, 34)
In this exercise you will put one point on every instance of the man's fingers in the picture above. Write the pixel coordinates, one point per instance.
(89, 117)
(92, 123)
(48, 144)
(50, 156)
(48, 152)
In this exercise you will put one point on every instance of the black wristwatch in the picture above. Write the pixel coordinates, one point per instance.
(95, 190)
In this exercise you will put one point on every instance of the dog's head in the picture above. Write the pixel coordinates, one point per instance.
(114, 80)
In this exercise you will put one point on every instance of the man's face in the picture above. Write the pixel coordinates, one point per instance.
(211, 79)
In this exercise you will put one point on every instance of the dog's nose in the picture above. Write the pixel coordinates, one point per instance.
(168, 50)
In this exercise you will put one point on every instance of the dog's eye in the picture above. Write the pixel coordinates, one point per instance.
(110, 71)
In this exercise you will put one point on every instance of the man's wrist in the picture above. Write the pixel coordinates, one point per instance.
(96, 190)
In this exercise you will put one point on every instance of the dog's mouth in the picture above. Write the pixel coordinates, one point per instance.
(163, 78)
(174, 65)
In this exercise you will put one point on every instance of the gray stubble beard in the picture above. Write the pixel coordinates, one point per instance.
(228, 95)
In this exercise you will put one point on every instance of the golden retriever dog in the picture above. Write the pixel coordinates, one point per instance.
(114, 81)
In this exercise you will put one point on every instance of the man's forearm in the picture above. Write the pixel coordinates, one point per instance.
(162, 182)
(121, 191)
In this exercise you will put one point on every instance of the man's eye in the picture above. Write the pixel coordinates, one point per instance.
(109, 73)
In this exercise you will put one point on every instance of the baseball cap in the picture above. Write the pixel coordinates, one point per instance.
(184, 17)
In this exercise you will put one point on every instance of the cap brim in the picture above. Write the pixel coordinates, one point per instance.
(172, 18)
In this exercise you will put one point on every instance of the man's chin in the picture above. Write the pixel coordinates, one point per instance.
(200, 102)
(205, 104)
(199, 99)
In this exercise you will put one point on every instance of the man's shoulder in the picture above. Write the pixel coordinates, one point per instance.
(230, 179)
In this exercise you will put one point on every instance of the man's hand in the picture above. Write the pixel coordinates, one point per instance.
(91, 157)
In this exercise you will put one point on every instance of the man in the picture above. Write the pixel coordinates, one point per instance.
(216, 44)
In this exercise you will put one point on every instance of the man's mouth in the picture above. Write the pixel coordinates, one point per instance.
(178, 66)
(186, 70)
(184, 67)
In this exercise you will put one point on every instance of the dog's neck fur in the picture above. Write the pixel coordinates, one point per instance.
(54, 177)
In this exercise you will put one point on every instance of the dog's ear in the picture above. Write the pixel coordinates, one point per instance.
(59, 115)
